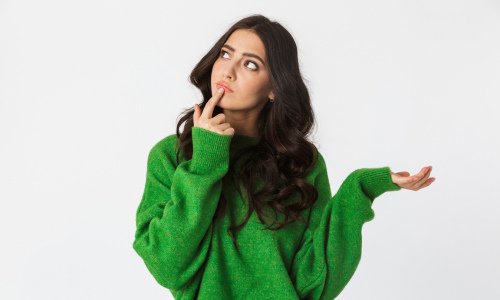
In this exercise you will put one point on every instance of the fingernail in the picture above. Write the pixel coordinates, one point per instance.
(220, 90)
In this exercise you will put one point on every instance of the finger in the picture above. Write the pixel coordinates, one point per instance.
(229, 131)
(418, 176)
(420, 182)
(408, 180)
(218, 119)
(224, 126)
(196, 114)
(427, 183)
(405, 179)
(209, 107)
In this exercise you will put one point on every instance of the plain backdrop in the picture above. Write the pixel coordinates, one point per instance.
(88, 87)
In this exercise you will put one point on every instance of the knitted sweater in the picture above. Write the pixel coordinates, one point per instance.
(195, 258)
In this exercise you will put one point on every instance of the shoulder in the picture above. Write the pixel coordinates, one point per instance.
(320, 173)
(320, 164)
(166, 143)
(317, 169)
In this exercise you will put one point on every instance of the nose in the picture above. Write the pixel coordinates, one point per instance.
(228, 71)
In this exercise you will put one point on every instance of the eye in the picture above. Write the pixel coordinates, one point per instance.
(222, 53)
(248, 61)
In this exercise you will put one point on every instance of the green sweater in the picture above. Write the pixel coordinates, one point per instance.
(195, 258)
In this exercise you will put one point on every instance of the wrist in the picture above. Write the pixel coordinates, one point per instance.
(210, 149)
(376, 181)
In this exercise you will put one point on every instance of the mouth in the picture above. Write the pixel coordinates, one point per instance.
(224, 87)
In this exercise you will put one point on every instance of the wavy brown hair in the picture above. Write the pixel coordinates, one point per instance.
(283, 154)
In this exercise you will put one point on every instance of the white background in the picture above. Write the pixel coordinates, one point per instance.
(88, 87)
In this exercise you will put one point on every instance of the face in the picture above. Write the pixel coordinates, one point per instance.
(246, 76)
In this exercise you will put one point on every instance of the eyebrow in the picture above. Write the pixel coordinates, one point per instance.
(245, 54)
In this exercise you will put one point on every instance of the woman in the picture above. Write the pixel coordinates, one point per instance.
(201, 239)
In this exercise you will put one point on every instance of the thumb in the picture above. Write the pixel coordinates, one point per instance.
(403, 174)
(196, 114)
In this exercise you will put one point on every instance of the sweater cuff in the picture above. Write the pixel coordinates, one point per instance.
(210, 149)
(376, 181)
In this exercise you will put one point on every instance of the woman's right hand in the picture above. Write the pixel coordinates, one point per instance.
(414, 183)
(215, 124)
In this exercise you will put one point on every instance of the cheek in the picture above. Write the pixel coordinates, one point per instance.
(215, 67)
(255, 87)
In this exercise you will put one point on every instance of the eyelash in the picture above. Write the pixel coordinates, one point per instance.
(222, 54)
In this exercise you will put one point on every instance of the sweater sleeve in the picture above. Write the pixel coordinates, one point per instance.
(174, 218)
(331, 246)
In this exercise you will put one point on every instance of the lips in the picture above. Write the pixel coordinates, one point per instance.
(224, 85)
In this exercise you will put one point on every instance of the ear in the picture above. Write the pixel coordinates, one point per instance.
(271, 95)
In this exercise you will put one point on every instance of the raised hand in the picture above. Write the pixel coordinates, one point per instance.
(215, 124)
(414, 183)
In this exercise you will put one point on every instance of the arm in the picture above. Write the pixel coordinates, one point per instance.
(331, 247)
(174, 218)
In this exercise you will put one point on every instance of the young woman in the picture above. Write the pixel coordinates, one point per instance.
(202, 238)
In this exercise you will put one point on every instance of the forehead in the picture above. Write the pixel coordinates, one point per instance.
(243, 40)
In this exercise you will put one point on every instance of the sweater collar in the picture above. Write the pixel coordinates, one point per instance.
(242, 141)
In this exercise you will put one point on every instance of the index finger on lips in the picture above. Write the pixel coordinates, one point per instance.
(209, 108)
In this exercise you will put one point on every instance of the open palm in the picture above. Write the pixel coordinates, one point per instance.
(414, 183)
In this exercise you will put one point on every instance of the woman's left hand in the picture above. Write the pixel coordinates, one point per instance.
(414, 183)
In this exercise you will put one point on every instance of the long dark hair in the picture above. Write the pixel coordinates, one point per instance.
(283, 154)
